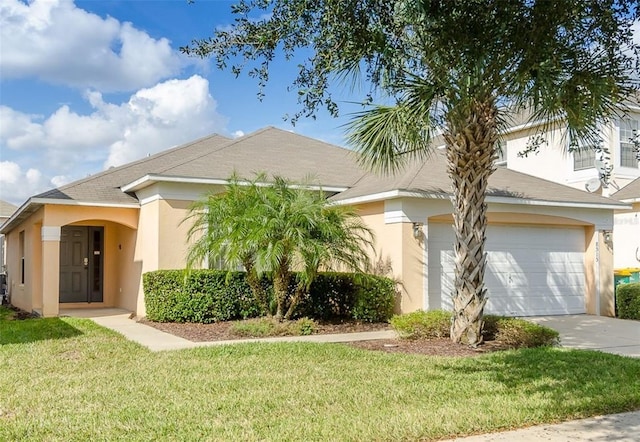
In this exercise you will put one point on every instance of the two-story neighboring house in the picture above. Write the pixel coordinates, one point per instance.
(6, 210)
(583, 168)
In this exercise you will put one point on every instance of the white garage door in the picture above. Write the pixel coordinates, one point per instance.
(530, 270)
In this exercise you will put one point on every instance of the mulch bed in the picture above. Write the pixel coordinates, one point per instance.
(221, 331)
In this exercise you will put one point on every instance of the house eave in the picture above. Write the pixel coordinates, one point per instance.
(149, 180)
(489, 199)
(32, 205)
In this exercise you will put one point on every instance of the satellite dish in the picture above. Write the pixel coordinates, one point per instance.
(593, 185)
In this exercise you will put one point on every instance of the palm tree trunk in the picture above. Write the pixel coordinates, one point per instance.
(470, 154)
(281, 279)
(256, 285)
(295, 299)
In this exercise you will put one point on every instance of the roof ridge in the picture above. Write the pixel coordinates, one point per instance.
(230, 143)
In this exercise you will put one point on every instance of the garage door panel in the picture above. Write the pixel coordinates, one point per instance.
(530, 270)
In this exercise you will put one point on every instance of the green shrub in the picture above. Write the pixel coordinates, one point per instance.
(375, 299)
(513, 332)
(198, 296)
(254, 328)
(518, 333)
(366, 298)
(305, 326)
(267, 327)
(422, 324)
(628, 300)
(213, 295)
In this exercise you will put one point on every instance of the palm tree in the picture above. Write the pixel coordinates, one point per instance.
(274, 230)
(220, 227)
(450, 67)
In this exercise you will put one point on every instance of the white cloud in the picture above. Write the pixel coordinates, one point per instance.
(59, 43)
(238, 134)
(66, 145)
(18, 185)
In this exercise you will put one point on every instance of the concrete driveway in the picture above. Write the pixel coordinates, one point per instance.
(611, 335)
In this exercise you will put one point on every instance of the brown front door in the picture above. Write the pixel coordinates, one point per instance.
(81, 264)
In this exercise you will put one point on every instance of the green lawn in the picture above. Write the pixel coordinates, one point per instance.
(69, 379)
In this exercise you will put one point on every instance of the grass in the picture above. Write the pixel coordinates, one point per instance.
(93, 384)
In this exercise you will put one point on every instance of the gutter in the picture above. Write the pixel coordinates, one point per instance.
(489, 199)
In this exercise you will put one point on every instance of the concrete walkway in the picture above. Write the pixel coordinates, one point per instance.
(610, 335)
(155, 340)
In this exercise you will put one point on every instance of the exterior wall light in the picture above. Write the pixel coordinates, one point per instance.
(417, 230)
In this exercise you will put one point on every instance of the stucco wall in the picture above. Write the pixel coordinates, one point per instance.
(554, 163)
(396, 246)
(26, 296)
(626, 237)
(173, 234)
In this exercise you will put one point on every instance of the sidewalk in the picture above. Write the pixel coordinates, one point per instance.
(624, 427)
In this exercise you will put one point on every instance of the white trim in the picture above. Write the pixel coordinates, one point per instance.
(390, 194)
(530, 124)
(489, 199)
(50, 233)
(147, 180)
(83, 203)
(530, 202)
(631, 200)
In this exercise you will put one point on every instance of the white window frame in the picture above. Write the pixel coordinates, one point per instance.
(626, 128)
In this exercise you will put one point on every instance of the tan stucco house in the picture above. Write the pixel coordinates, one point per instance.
(89, 242)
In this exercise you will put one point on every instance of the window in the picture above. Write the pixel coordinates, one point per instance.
(584, 158)
(21, 254)
(627, 155)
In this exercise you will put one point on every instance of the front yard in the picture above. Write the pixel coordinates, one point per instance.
(69, 379)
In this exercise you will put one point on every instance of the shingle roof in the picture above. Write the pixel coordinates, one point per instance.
(431, 177)
(6, 209)
(296, 157)
(104, 187)
(628, 192)
(276, 152)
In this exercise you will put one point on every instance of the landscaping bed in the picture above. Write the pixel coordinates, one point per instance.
(223, 331)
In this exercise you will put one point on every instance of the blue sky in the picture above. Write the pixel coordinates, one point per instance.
(85, 85)
(89, 84)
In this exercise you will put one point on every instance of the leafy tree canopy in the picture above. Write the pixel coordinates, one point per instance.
(573, 59)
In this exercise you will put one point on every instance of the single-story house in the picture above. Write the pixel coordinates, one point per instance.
(626, 240)
(89, 242)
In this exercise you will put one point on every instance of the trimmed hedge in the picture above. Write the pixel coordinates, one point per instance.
(519, 333)
(628, 300)
(423, 324)
(213, 295)
(513, 332)
(198, 296)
